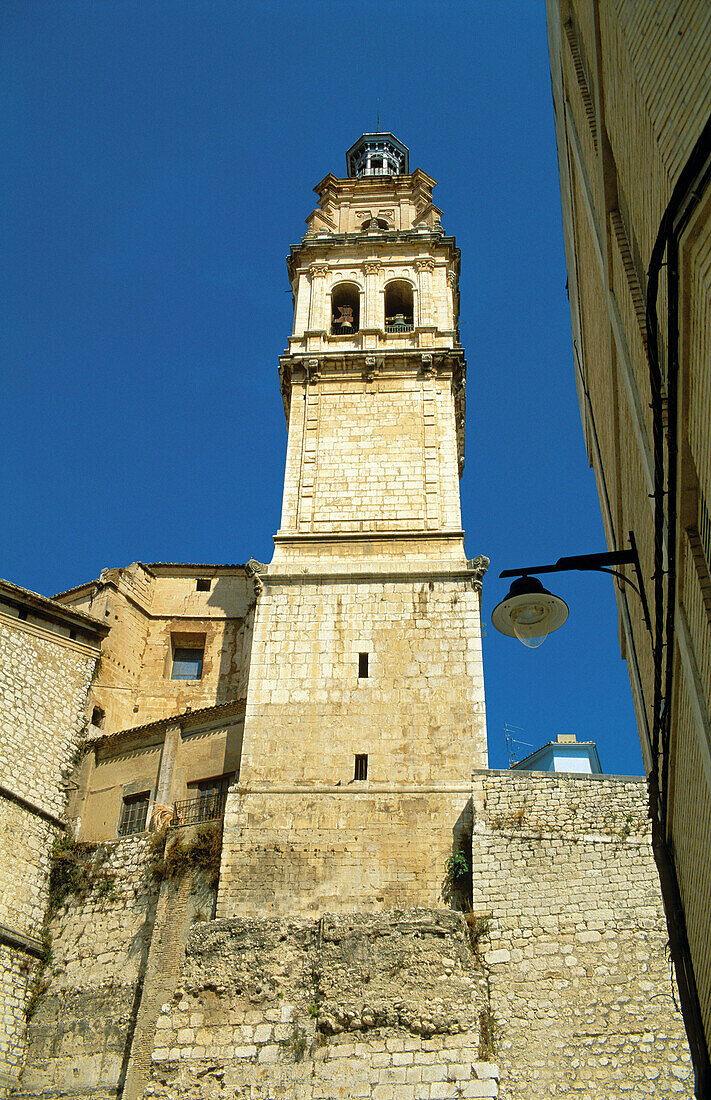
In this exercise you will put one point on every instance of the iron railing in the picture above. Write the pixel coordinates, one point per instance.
(191, 811)
(398, 326)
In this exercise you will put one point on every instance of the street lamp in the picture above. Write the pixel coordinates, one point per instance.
(530, 612)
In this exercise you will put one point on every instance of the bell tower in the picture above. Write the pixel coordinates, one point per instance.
(365, 707)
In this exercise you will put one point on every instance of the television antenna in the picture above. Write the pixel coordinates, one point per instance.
(512, 740)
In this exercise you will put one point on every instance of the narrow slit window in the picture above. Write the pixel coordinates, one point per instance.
(361, 766)
(362, 666)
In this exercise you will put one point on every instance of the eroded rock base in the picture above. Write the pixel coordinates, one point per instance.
(388, 1005)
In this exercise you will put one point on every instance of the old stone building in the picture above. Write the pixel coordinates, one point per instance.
(380, 915)
(632, 102)
(48, 656)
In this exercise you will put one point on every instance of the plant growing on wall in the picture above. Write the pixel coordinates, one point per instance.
(75, 870)
(457, 884)
(488, 1034)
(200, 850)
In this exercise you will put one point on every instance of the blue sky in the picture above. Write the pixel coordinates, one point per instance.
(159, 160)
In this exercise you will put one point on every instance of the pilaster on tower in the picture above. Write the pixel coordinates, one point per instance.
(365, 706)
(373, 378)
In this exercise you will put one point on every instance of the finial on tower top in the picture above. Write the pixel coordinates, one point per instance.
(377, 155)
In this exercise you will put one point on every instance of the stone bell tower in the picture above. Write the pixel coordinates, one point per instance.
(365, 708)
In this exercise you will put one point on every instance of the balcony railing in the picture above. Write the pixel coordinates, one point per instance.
(192, 811)
(398, 326)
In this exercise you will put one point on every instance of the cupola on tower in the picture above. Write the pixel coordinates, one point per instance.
(365, 705)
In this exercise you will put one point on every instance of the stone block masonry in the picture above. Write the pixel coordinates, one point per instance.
(78, 1033)
(45, 674)
(336, 849)
(581, 988)
(383, 1006)
(44, 680)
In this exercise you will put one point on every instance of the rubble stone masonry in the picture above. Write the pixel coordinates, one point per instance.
(581, 987)
(44, 679)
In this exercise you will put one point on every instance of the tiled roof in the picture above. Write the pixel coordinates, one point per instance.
(184, 717)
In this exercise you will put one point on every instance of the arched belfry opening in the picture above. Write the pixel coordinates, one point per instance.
(399, 306)
(345, 309)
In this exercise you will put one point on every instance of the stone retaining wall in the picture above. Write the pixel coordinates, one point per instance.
(384, 1006)
(580, 975)
(78, 1033)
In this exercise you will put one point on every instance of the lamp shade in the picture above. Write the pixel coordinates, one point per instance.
(530, 612)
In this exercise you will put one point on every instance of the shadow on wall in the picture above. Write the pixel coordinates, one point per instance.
(238, 611)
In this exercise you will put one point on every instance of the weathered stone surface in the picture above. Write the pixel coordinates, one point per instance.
(359, 1005)
(45, 676)
(581, 989)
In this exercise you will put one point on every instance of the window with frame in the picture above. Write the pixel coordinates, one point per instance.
(187, 662)
(134, 812)
(206, 799)
(361, 766)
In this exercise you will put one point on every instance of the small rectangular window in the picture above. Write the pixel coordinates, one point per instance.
(362, 666)
(97, 717)
(187, 663)
(203, 584)
(134, 812)
(361, 766)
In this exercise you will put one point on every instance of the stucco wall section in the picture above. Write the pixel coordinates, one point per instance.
(148, 613)
(580, 980)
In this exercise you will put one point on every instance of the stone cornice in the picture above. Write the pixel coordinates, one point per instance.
(364, 789)
(417, 183)
(51, 610)
(360, 247)
(32, 807)
(417, 573)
